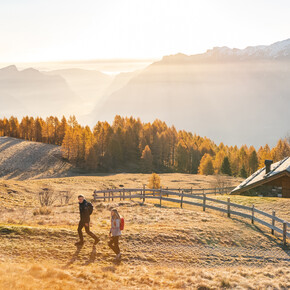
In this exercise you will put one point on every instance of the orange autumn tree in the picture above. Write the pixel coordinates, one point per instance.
(121, 145)
(147, 159)
(206, 165)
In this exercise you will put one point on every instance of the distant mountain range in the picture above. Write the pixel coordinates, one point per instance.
(30, 92)
(236, 96)
(277, 51)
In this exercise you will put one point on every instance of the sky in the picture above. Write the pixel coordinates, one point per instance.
(59, 30)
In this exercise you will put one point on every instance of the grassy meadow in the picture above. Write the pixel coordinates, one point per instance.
(163, 248)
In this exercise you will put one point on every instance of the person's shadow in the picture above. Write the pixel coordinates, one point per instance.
(92, 257)
(74, 256)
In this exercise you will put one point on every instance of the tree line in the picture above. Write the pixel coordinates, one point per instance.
(130, 145)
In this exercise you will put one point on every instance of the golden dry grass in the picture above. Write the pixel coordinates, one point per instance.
(50, 276)
(162, 248)
(24, 193)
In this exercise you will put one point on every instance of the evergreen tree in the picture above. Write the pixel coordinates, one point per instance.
(243, 172)
(226, 167)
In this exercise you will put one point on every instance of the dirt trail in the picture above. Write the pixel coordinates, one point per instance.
(21, 160)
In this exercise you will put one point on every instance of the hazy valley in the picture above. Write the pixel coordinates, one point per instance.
(219, 94)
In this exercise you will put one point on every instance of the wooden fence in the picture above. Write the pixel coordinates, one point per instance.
(201, 191)
(205, 202)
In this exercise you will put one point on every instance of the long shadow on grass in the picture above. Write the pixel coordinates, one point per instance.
(276, 240)
(92, 257)
(74, 257)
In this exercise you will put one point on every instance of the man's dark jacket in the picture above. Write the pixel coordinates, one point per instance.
(84, 212)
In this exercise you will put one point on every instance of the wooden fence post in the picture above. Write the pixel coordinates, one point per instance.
(124, 195)
(160, 196)
(273, 221)
(229, 207)
(284, 233)
(112, 196)
(104, 196)
(181, 200)
(203, 204)
(253, 211)
(143, 193)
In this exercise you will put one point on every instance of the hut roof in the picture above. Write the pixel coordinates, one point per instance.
(260, 177)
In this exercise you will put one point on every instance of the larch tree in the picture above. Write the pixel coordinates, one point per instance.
(38, 129)
(206, 165)
(147, 159)
(181, 156)
(109, 146)
(264, 153)
(253, 161)
(218, 161)
(154, 181)
(281, 150)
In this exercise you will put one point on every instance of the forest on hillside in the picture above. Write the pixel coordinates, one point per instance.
(130, 145)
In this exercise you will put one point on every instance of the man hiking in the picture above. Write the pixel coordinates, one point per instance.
(86, 209)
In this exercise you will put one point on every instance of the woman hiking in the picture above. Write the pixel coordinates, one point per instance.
(115, 233)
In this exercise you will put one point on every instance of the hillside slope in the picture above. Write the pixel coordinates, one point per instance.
(162, 248)
(23, 160)
(219, 95)
(89, 85)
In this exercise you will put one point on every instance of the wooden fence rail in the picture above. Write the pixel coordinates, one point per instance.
(200, 191)
(163, 195)
(195, 191)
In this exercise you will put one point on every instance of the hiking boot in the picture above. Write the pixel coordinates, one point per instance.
(97, 240)
(80, 243)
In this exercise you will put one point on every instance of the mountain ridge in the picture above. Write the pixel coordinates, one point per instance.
(279, 50)
(46, 95)
(214, 98)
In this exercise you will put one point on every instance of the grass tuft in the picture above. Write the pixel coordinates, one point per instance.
(42, 211)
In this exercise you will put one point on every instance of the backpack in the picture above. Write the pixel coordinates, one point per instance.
(90, 208)
(122, 223)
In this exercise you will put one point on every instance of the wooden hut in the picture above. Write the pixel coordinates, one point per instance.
(271, 180)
